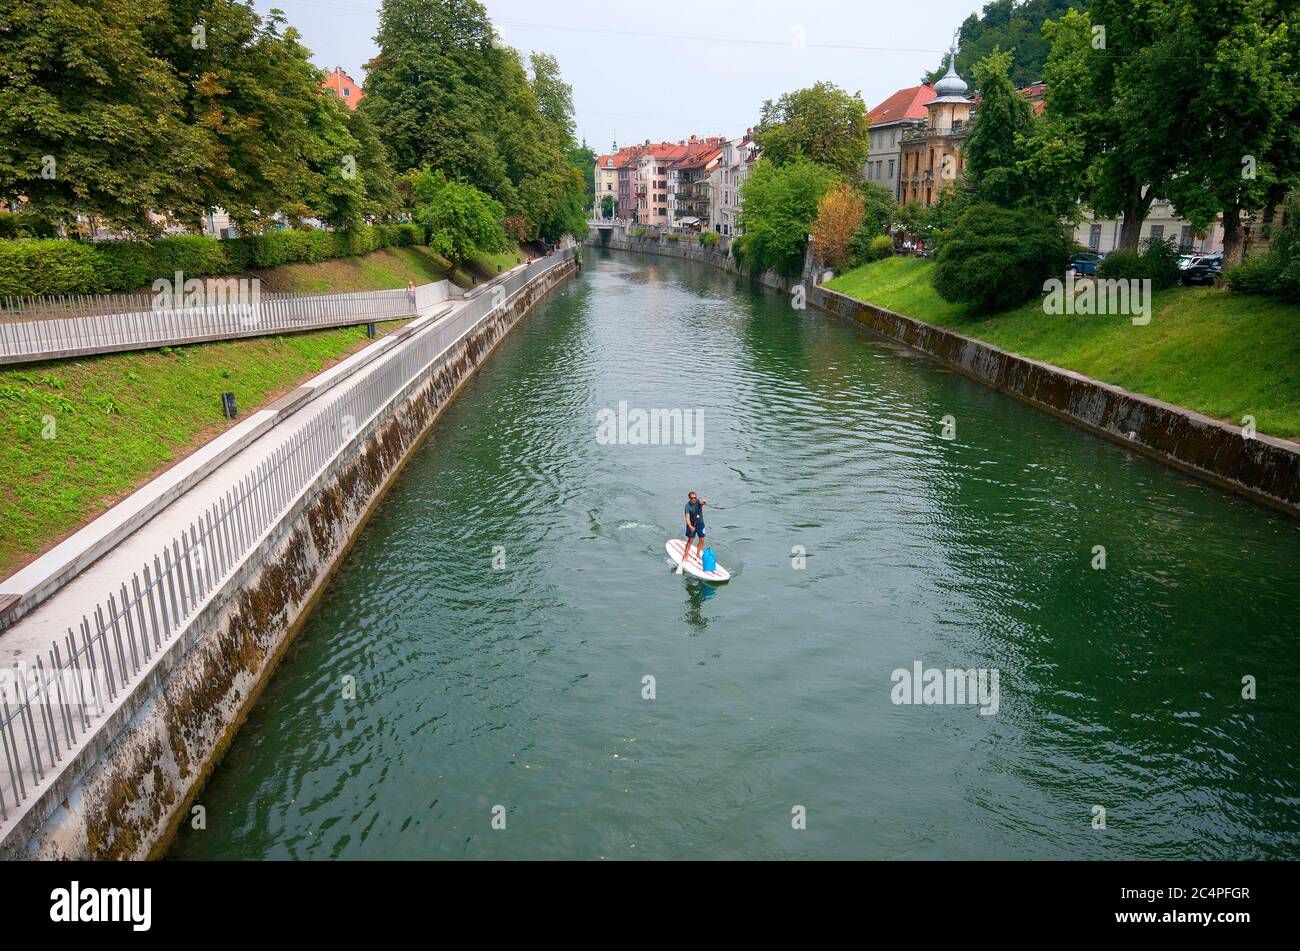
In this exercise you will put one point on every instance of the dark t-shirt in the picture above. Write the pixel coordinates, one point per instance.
(695, 510)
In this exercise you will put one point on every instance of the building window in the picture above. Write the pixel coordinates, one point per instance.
(347, 91)
(1094, 237)
(1157, 232)
(1186, 240)
(893, 134)
(891, 168)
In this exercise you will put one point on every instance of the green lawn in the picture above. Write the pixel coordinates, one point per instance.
(487, 266)
(1225, 355)
(376, 271)
(120, 419)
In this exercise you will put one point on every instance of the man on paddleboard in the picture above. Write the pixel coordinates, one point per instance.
(694, 515)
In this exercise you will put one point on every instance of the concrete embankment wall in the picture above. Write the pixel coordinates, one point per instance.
(1262, 467)
(687, 248)
(126, 796)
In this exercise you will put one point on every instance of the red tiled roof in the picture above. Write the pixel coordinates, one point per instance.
(905, 104)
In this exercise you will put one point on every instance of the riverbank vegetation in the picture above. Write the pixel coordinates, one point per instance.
(1223, 354)
(151, 124)
(77, 436)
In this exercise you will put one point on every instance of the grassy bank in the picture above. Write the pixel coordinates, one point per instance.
(120, 419)
(1225, 355)
(377, 271)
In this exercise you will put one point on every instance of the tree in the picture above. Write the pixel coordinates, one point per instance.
(1011, 26)
(1240, 108)
(461, 219)
(996, 143)
(1055, 168)
(839, 216)
(1133, 134)
(778, 205)
(608, 205)
(822, 123)
(91, 120)
(444, 92)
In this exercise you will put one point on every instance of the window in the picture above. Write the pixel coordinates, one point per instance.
(1094, 237)
(1186, 240)
(1157, 232)
(893, 135)
(347, 91)
(891, 168)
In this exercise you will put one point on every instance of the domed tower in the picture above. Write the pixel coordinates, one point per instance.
(932, 158)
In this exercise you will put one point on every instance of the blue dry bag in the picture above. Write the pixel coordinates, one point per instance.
(709, 560)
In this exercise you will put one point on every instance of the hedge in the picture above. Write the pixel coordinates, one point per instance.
(57, 266)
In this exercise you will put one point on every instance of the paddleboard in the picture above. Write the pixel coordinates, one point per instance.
(675, 547)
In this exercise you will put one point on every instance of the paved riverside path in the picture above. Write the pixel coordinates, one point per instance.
(49, 621)
(33, 634)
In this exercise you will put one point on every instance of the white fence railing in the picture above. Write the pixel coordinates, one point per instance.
(47, 328)
(47, 708)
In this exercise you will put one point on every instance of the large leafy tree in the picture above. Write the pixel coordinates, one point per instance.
(1057, 150)
(1231, 70)
(996, 143)
(778, 206)
(822, 123)
(91, 119)
(444, 92)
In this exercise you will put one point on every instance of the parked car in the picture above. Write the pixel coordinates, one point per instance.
(1191, 260)
(1086, 262)
(1203, 272)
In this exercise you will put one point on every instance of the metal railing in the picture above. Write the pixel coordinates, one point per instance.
(46, 709)
(45, 328)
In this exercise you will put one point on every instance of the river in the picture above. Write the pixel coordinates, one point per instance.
(503, 609)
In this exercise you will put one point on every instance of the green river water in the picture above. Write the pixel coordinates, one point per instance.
(522, 686)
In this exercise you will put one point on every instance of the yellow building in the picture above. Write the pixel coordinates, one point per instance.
(931, 155)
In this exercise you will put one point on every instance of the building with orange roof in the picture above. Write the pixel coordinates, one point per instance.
(904, 110)
(341, 84)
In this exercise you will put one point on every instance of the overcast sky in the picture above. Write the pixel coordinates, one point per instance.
(670, 68)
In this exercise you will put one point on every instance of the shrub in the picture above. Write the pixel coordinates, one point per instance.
(1156, 262)
(49, 267)
(674, 236)
(709, 238)
(639, 232)
(996, 258)
(1277, 271)
(881, 246)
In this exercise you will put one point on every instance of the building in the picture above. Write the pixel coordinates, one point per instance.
(652, 183)
(606, 181)
(930, 154)
(341, 84)
(903, 111)
(692, 181)
(738, 157)
(1161, 224)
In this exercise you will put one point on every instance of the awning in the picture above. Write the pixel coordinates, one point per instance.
(689, 221)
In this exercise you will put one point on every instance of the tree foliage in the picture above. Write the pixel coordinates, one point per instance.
(461, 220)
(778, 205)
(995, 258)
(839, 216)
(996, 144)
(1012, 26)
(444, 92)
(822, 123)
